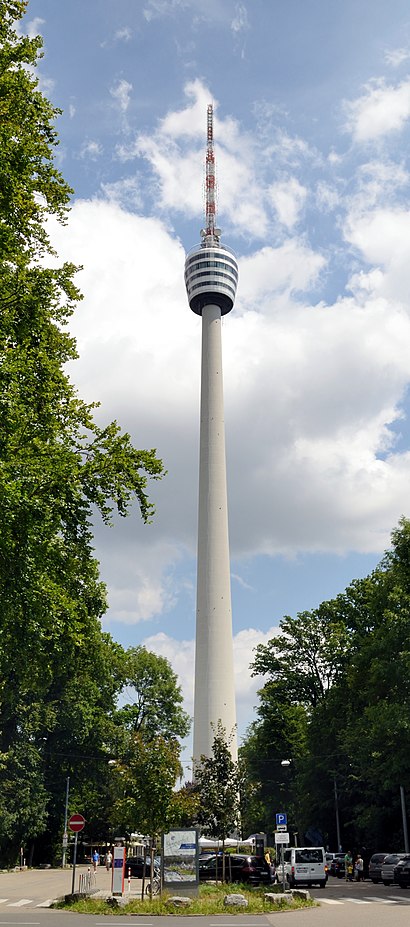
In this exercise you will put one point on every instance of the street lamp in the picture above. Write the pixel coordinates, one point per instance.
(65, 836)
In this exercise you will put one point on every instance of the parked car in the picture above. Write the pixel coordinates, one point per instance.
(401, 875)
(332, 860)
(339, 868)
(375, 866)
(136, 866)
(238, 868)
(388, 867)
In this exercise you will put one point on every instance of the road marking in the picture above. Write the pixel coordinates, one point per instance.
(19, 904)
(380, 900)
(356, 901)
(329, 901)
(45, 904)
(400, 898)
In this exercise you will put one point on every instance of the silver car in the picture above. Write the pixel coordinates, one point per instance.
(388, 867)
(375, 866)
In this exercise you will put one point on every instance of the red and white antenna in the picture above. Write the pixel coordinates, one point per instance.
(210, 233)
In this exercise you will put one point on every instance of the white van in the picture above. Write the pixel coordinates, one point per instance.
(304, 866)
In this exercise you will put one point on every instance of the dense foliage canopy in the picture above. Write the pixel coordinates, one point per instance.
(336, 701)
(60, 675)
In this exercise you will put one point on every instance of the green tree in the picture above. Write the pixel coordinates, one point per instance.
(217, 779)
(144, 785)
(156, 708)
(346, 666)
(56, 468)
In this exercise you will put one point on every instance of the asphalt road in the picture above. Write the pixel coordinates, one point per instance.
(25, 896)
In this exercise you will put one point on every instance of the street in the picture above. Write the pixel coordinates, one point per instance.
(25, 898)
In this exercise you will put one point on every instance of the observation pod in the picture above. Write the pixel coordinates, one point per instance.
(211, 276)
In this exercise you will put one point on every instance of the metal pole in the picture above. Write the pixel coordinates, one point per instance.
(339, 844)
(65, 837)
(283, 867)
(404, 816)
(74, 862)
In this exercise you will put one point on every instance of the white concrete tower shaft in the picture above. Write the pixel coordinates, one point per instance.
(211, 275)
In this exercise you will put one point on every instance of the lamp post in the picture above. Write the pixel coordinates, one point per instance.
(339, 842)
(404, 816)
(65, 835)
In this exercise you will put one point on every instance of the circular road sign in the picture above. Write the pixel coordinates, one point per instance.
(76, 822)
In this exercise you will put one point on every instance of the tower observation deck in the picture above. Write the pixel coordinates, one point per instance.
(211, 277)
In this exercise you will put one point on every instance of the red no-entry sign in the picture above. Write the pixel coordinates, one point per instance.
(76, 822)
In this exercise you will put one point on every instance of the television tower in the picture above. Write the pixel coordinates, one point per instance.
(211, 276)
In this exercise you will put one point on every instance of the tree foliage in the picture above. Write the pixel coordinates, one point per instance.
(337, 701)
(60, 676)
(217, 781)
(156, 706)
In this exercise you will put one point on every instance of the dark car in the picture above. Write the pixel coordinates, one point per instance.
(375, 866)
(136, 866)
(333, 861)
(238, 868)
(339, 868)
(402, 872)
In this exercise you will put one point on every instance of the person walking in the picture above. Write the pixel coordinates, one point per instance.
(96, 859)
(108, 860)
(358, 868)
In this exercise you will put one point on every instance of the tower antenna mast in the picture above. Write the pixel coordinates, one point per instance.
(210, 233)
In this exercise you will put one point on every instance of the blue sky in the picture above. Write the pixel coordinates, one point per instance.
(312, 115)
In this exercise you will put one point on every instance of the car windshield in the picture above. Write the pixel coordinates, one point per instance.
(309, 856)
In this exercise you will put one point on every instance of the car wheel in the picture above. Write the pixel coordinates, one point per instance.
(375, 881)
(386, 882)
(404, 884)
(322, 884)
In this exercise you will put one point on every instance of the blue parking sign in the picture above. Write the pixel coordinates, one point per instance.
(281, 819)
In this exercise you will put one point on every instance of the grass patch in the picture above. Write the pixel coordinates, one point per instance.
(209, 901)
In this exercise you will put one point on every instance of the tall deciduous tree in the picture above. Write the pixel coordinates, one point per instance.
(347, 667)
(156, 706)
(56, 466)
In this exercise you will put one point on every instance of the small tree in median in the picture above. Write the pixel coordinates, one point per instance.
(217, 781)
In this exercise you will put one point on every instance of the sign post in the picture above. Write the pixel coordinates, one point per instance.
(118, 869)
(282, 838)
(76, 823)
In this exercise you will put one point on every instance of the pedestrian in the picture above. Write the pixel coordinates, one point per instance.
(270, 866)
(108, 860)
(358, 868)
(348, 866)
(96, 859)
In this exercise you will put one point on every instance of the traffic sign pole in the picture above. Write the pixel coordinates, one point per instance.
(74, 862)
(76, 823)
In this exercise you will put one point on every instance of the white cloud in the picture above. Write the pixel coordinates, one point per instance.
(121, 93)
(327, 197)
(397, 56)
(32, 28)
(124, 34)
(289, 268)
(126, 192)
(91, 149)
(311, 393)
(240, 21)
(181, 655)
(380, 110)
(288, 198)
